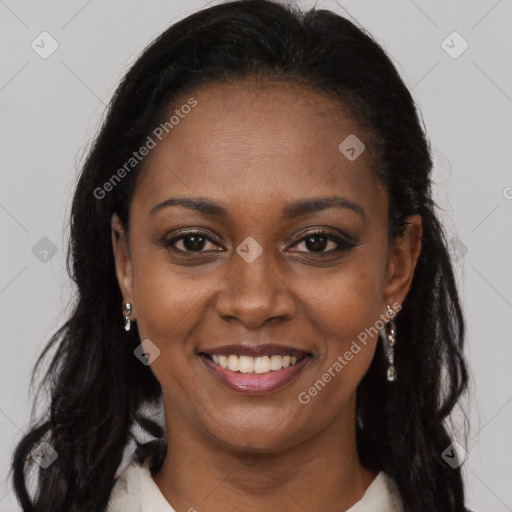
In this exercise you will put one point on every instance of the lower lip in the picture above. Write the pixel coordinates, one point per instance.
(255, 383)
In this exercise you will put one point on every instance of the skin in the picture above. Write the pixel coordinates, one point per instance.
(254, 148)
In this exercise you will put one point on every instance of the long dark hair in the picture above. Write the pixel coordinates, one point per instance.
(97, 386)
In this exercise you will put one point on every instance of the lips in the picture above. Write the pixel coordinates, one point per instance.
(255, 368)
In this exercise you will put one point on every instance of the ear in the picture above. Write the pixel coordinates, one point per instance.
(122, 259)
(404, 254)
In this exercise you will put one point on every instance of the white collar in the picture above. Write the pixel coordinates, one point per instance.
(136, 491)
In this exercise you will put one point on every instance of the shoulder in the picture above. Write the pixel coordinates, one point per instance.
(392, 494)
(125, 495)
(381, 496)
(136, 491)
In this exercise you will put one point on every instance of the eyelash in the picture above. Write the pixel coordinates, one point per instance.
(343, 245)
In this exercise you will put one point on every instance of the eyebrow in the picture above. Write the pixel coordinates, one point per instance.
(290, 211)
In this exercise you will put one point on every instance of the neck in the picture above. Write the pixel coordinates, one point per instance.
(321, 473)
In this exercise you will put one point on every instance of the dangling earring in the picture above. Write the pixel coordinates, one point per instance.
(389, 344)
(127, 311)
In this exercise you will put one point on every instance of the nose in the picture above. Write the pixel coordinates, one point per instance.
(255, 293)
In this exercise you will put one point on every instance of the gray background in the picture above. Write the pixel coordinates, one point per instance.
(51, 109)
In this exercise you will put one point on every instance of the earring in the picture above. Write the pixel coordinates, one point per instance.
(127, 311)
(389, 344)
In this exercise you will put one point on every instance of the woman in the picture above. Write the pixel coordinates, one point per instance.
(255, 247)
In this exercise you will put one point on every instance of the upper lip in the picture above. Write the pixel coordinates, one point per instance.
(252, 350)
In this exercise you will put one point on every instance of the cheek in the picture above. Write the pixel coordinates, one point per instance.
(345, 317)
(167, 309)
(348, 328)
(346, 312)
(166, 300)
(347, 303)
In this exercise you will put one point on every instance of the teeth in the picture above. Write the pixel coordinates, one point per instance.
(276, 363)
(247, 364)
(262, 364)
(233, 363)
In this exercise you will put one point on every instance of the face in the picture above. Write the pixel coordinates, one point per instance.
(263, 264)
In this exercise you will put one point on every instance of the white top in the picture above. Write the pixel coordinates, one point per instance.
(136, 491)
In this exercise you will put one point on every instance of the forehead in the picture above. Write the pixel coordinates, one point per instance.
(251, 144)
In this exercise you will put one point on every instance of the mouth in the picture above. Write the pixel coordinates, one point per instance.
(255, 369)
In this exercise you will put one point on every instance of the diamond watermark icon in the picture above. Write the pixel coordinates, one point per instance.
(147, 352)
(249, 249)
(454, 45)
(44, 250)
(44, 454)
(44, 45)
(454, 455)
(457, 248)
(352, 147)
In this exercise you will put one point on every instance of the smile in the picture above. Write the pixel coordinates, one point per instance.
(255, 375)
(248, 364)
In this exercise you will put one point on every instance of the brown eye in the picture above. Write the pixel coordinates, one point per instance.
(190, 242)
(316, 243)
(319, 241)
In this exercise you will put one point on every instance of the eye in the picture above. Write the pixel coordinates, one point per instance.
(318, 241)
(193, 241)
